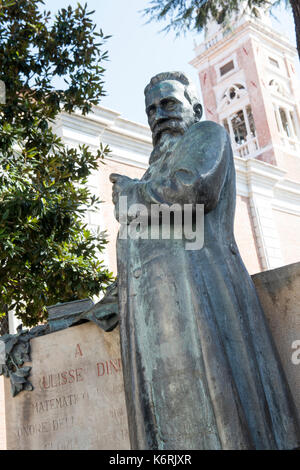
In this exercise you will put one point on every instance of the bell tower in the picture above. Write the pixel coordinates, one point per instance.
(249, 85)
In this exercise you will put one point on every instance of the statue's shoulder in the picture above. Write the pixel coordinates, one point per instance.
(202, 136)
(207, 129)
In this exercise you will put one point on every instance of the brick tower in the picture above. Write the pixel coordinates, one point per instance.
(250, 86)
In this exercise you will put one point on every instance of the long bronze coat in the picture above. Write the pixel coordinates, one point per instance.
(201, 370)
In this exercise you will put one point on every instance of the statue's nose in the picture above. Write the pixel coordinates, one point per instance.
(160, 115)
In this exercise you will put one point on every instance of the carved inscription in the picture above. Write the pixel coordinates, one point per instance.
(45, 426)
(110, 367)
(58, 402)
(78, 351)
(78, 398)
(61, 378)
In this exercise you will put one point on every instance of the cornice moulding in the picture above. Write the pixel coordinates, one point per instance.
(115, 123)
(270, 172)
(128, 160)
(248, 27)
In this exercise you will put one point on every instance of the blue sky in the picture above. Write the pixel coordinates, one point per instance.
(138, 51)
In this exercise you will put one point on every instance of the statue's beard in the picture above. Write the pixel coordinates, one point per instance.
(165, 136)
(171, 126)
(165, 145)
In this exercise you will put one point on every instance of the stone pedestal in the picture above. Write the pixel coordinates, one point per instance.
(78, 397)
(279, 293)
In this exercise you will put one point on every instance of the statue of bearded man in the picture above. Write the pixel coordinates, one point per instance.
(200, 368)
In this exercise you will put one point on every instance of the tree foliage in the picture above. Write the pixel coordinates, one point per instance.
(47, 254)
(187, 15)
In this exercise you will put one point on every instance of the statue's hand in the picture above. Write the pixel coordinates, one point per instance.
(120, 182)
(120, 185)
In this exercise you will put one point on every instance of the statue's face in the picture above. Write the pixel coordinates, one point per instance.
(168, 109)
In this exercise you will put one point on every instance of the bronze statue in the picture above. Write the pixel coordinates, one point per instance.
(200, 367)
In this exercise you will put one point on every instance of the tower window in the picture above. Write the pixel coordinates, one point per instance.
(274, 62)
(284, 122)
(226, 68)
(234, 92)
(287, 122)
(293, 123)
(239, 127)
(278, 87)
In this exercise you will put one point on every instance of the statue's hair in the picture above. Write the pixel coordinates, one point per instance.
(190, 92)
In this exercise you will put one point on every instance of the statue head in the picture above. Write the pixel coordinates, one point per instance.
(172, 105)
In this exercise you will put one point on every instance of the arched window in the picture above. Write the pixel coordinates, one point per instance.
(277, 87)
(241, 128)
(232, 93)
(287, 122)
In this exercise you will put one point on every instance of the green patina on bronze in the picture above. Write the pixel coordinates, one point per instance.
(105, 313)
(201, 370)
(16, 351)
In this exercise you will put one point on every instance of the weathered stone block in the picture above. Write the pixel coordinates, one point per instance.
(78, 397)
(279, 293)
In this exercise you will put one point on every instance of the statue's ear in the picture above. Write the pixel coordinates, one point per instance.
(198, 110)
